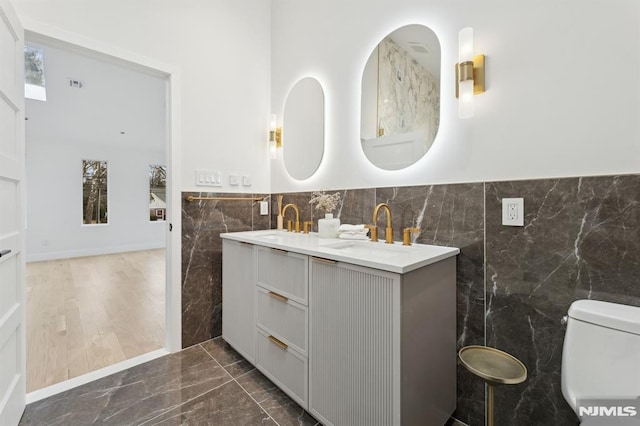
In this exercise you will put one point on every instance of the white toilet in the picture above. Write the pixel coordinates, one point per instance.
(601, 353)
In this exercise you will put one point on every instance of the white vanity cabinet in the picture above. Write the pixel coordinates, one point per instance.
(282, 313)
(238, 295)
(357, 334)
(382, 345)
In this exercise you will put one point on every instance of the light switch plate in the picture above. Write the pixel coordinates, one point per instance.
(234, 180)
(208, 178)
(246, 180)
(513, 211)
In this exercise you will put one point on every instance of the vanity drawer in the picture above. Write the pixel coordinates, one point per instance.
(283, 366)
(283, 272)
(284, 318)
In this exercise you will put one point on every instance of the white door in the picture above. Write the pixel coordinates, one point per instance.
(12, 314)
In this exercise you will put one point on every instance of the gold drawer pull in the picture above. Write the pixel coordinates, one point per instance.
(278, 250)
(278, 342)
(321, 259)
(278, 296)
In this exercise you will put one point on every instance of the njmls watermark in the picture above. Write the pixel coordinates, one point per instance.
(609, 412)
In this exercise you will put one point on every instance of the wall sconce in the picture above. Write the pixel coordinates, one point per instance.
(275, 136)
(469, 73)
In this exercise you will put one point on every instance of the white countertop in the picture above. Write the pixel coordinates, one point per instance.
(387, 257)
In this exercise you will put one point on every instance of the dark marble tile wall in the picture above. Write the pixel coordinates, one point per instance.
(450, 215)
(202, 224)
(581, 239)
(356, 206)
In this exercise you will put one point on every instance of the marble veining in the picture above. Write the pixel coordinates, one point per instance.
(409, 98)
(207, 384)
(202, 223)
(451, 215)
(581, 239)
(134, 395)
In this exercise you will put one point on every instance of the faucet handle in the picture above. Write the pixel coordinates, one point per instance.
(289, 226)
(374, 232)
(406, 235)
(307, 225)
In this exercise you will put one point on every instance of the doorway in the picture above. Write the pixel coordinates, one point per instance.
(129, 275)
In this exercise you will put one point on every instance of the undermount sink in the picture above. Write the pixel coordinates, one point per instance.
(278, 235)
(368, 248)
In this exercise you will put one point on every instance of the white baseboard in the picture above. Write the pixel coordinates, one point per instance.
(68, 254)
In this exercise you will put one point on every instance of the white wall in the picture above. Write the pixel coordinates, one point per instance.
(222, 49)
(562, 87)
(76, 124)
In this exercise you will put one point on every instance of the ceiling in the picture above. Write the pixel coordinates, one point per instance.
(116, 106)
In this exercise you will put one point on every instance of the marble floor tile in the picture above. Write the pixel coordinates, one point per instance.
(280, 407)
(134, 395)
(227, 357)
(186, 388)
(227, 405)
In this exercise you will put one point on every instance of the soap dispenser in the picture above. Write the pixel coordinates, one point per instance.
(328, 227)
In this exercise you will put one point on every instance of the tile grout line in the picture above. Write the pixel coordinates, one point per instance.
(254, 400)
(241, 387)
(188, 401)
(484, 295)
(197, 396)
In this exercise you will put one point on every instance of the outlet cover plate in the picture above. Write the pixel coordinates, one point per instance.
(513, 211)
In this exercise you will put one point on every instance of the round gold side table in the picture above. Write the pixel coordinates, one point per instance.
(495, 368)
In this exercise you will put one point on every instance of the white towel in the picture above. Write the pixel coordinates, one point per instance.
(354, 236)
(352, 228)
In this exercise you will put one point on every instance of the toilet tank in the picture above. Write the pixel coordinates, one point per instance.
(601, 352)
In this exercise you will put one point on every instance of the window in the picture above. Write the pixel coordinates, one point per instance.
(34, 85)
(157, 193)
(94, 192)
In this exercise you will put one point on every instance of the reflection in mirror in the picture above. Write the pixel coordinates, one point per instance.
(401, 98)
(303, 128)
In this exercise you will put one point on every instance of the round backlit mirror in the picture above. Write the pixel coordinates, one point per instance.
(303, 128)
(401, 98)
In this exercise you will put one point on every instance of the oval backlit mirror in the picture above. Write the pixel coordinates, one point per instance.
(401, 98)
(303, 129)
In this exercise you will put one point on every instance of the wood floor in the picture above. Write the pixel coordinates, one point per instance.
(90, 312)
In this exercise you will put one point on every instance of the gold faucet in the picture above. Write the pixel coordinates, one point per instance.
(406, 235)
(374, 227)
(295, 208)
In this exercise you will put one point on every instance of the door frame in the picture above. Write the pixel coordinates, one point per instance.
(34, 30)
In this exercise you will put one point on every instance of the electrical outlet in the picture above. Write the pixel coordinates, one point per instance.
(513, 211)
(234, 180)
(264, 208)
